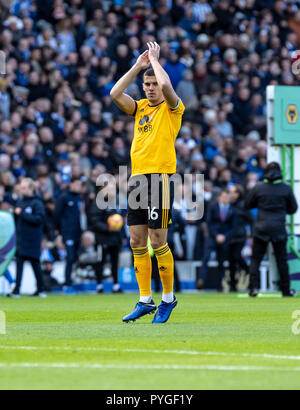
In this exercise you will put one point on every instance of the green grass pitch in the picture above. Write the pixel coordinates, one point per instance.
(212, 341)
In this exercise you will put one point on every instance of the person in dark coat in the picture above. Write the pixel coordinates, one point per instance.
(221, 223)
(274, 200)
(30, 217)
(109, 238)
(67, 220)
(239, 237)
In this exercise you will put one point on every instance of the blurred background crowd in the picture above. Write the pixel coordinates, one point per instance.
(59, 126)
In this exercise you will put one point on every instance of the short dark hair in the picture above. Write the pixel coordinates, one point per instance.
(149, 73)
(224, 191)
(273, 165)
(75, 179)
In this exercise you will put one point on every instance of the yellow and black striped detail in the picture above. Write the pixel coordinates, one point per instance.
(165, 201)
(162, 251)
(140, 251)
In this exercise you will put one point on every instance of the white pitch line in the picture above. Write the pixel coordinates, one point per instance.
(128, 350)
(146, 367)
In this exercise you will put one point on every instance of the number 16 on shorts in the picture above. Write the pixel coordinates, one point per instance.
(158, 218)
(152, 214)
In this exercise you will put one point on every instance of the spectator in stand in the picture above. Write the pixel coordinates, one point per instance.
(67, 219)
(239, 237)
(89, 256)
(186, 90)
(30, 216)
(108, 236)
(221, 222)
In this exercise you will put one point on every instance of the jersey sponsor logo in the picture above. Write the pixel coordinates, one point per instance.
(146, 120)
(145, 128)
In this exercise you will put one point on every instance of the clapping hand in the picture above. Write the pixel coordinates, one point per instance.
(154, 51)
(143, 61)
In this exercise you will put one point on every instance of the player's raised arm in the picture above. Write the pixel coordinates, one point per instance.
(124, 101)
(162, 77)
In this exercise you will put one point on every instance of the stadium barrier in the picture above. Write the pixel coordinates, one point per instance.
(187, 271)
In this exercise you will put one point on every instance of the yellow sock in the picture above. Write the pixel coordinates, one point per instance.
(166, 267)
(143, 270)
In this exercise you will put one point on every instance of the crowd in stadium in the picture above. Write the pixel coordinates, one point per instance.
(60, 127)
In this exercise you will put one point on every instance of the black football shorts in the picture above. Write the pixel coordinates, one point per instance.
(150, 201)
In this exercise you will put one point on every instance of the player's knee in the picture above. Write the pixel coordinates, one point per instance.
(137, 242)
(157, 241)
(157, 245)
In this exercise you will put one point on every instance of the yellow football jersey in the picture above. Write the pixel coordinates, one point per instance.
(156, 129)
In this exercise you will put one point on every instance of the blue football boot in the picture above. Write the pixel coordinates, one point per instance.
(140, 310)
(164, 311)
